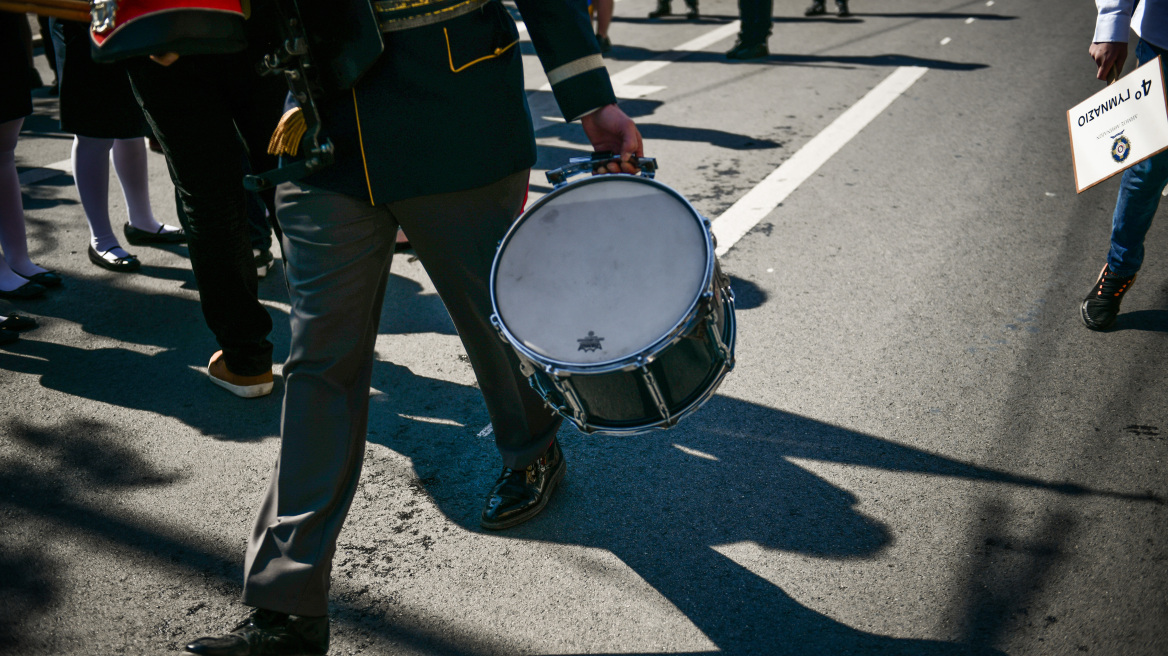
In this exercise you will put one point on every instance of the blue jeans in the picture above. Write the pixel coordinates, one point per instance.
(1139, 196)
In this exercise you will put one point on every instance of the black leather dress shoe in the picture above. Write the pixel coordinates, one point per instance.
(268, 633)
(26, 291)
(521, 494)
(137, 236)
(18, 323)
(108, 260)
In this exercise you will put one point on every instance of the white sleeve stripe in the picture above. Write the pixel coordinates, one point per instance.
(574, 68)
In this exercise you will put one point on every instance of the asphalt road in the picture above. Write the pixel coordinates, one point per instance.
(921, 450)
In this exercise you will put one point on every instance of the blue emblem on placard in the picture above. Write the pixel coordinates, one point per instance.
(1120, 148)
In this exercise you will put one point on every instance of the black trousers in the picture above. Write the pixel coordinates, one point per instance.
(756, 20)
(213, 114)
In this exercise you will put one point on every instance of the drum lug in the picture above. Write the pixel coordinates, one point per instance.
(658, 398)
(498, 324)
(576, 408)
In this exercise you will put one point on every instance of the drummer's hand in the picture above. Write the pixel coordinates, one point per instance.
(609, 128)
(165, 60)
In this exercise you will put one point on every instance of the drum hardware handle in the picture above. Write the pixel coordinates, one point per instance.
(658, 397)
(559, 177)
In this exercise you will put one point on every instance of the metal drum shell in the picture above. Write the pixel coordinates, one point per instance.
(655, 387)
(621, 403)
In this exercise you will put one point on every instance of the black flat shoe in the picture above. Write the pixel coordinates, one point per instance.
(521, 494)
(268, 633)
(18, 323)
(138, 237)
(26, 291)
(108, 260)
(45, 278)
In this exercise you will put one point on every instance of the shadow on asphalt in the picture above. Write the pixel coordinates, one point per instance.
(661, 510)
(635, 54)
(658, 508)
(66, 464)
(1150, 320)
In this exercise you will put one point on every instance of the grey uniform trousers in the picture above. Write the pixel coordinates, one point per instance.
(338, 250)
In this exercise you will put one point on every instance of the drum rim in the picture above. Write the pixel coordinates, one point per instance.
(561, 368)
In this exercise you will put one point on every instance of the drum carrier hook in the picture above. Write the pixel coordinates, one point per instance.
(559, 177)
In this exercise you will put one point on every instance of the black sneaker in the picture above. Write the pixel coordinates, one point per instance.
(268, 633)
(742, 50)
(842, 6)
(692, 6)
(817, 8)
(662, 9)
(1102, 305)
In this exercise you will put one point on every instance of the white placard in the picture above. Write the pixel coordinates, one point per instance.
(1121, 125)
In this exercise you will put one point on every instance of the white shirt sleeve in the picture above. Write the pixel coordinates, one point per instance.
(1114, 20)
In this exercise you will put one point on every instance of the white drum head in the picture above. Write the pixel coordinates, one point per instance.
(601, 270)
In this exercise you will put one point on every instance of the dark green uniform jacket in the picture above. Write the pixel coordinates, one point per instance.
(444, 108)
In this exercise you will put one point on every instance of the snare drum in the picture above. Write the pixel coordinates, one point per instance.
(608, 290)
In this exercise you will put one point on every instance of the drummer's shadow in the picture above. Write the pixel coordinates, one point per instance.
(664, 502)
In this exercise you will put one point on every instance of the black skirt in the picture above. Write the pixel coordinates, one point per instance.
(15, 93)
(96, 99)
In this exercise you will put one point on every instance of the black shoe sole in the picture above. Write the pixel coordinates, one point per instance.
(138, 237)
(24, 292)
(535, 510)
(1099, 327)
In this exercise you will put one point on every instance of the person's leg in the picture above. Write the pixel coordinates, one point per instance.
(204, 154)
(50, 50)
(91, 158)
(604, 11)
(129, 157)
(11, 208)
(755, 30)
(13, 240)
(337, 253)
(455, 236)
(756, 21)
(1140, 191)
